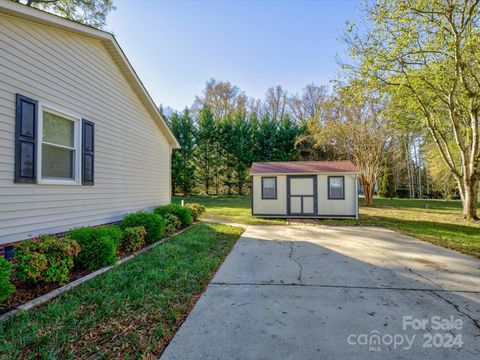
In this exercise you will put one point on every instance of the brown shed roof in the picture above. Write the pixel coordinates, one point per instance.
(302, 167)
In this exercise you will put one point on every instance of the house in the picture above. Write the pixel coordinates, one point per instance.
(305, 189)
(81, 141)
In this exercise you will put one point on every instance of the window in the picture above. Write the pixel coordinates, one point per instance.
(269, 187)
(336, 187)
(59, 152)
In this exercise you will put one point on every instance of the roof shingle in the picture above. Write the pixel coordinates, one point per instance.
(302, 167)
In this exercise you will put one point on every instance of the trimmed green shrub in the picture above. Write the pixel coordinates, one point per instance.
(133, 238)
(154, 224)
(47, 260)
(196, 209)
(6, 287)
(183, 213)
(98, 246)
(172, 223)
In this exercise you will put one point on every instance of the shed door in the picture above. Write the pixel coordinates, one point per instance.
(302, 195)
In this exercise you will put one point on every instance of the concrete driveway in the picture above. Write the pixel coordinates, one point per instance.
(314, 292)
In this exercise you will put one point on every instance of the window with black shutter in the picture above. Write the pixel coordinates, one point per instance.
(88, 135)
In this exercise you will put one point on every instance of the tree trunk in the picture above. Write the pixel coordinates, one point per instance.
(469, 194)
(367, 190)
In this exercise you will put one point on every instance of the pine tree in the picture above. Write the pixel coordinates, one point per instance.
(207, 160)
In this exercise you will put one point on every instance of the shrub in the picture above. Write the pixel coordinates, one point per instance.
(402, 193)
(6, 287)
(98, 246)
(154, 224)
(183, 213)
(196, 209)
(133, 238)
(172, 223)
(47, 260)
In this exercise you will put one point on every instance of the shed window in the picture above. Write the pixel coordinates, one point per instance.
(336, 187)
(269, 187)
(59, 147)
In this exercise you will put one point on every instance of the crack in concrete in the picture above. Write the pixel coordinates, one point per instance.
(346, 287)
(457, 308)
(290, 256)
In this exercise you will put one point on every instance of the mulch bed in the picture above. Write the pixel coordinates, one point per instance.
(25, 292)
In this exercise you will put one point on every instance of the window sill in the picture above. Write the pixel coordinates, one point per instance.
(58, 182)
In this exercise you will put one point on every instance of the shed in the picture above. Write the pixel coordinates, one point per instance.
(327, 189)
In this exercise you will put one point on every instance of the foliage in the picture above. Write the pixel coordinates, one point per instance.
(47, 260)
(172, 223)
(183, 213)
(89, 12)
(183, 167)
(386, 185)
(425, 56)
(133, 238)
(98, 246)
(206, 152)
(6, 287)
(402, 193)
(148, 295)
(154, 224)
(196, 209)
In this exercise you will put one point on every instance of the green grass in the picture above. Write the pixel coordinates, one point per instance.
(435, 221)
(129, 312)
(234, 208)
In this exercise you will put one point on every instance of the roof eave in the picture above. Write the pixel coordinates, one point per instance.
(41, 17)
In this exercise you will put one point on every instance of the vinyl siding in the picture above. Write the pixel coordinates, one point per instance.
(76, 74)
(270, 206)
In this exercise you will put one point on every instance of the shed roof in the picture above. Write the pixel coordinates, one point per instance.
(302, 167)
(39, 16)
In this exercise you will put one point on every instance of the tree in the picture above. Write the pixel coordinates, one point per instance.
(183, 168)
(206, 151)
(309, 105)
(222, 97)
(386, 185)
(357, 129)
(425, 54)
(89, 12)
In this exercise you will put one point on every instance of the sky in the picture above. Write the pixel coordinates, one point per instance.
(175, 46)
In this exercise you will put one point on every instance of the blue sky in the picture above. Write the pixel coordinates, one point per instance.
(176, 46)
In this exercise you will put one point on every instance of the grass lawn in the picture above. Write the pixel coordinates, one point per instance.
(436, 221)
(232, 208)
(129, 312)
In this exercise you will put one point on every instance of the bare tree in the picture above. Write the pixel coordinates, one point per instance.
(308, 105)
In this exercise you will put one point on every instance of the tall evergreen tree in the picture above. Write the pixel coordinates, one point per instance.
(207, 159)
(183, 168)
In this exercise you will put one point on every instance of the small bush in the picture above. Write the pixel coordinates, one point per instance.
(6, 287)
(402, 193)
(154, 224)
(133, 238)
(183, 213)
(172, 223)
(98, 246)
(47, 260)
(196, 209)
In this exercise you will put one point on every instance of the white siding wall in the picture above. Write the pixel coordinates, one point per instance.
(270, 206)
(346, 207)
(75, 73)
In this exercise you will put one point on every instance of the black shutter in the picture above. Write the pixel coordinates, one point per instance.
(25, 139)
(88, 135)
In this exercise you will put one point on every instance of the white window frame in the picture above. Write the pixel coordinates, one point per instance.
(77, 142)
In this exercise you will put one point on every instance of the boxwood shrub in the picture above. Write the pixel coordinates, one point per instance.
(196, 209)
(172, 223)
(154, 224)
(98, 246)
(183, 213)
(133, 238)
(6, 287)
(47, 260)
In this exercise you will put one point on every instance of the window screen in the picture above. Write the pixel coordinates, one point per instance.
(269, 188)
(336, 187)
